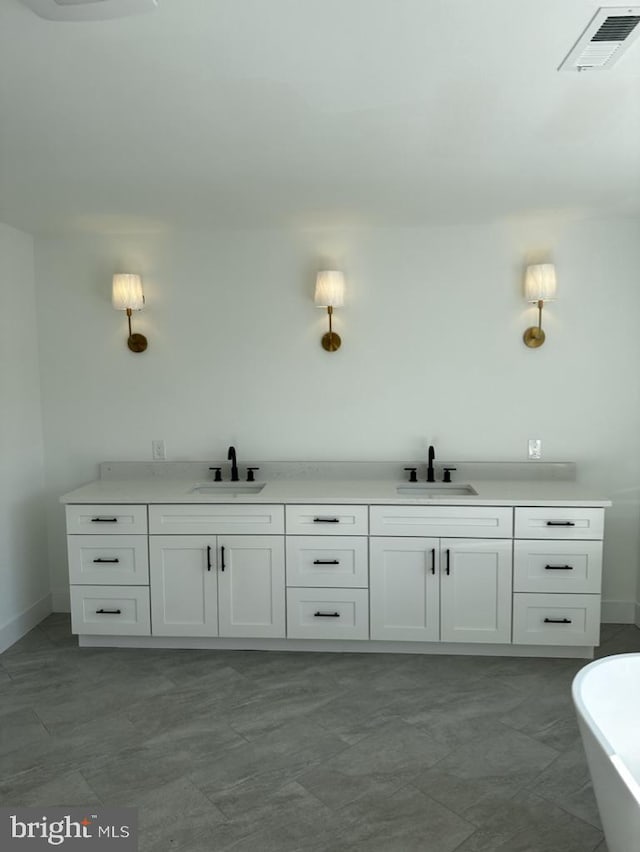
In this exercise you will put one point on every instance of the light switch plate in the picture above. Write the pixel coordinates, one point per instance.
(158, 452)
(535, 448)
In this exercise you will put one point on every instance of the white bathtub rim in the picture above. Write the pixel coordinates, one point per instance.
(583, 710)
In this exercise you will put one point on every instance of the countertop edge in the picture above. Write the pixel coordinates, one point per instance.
(310, 492)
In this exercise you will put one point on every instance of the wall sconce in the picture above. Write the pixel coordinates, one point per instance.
(127, 296)
(540, 286)
(330, 294)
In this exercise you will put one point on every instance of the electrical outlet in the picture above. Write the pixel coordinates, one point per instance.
(535, 448)
(158, 452)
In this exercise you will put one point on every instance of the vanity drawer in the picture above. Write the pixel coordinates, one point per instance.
(327, 520)
(107, 560)
(110, 610)
(216, 519)
(327, 614)
(107, 520)
(326, 561)
(559, 522)
(557, 566)
(556, 619)
(445, 521)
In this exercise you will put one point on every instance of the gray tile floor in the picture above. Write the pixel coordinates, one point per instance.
(255, 751)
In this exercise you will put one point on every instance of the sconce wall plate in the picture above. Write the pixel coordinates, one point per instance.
(330, 340)
(534, 336)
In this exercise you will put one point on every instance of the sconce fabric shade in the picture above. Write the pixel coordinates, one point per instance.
(329, 289)
(127, 292)
(540, 283)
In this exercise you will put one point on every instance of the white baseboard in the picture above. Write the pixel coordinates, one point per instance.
(23, 623)
(619, 612)
(61, 600)
(356, 646)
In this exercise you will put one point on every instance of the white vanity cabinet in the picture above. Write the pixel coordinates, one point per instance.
(416, 576)
(108, 569)
(453, 586)
(557, 575)
(449, 590)
(217, 584)
(327, 572)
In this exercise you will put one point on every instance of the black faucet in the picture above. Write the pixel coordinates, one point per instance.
(430, 473)
(231, 456)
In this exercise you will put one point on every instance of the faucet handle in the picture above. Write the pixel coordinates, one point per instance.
(218, 476)
(250, 477)
(412, 476)
(447, 473)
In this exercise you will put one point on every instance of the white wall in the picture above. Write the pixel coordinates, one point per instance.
(24, 578)
(432, 351)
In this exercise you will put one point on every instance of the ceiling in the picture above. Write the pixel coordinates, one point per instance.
(299, 113)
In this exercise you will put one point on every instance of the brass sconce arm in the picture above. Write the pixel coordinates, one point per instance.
(534, 336)
(135, 342)
(331, 341)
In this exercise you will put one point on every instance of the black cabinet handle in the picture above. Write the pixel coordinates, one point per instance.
(104, 520)
(106, 560)
(326, 520)
(558, 567)
(208, 557)
(448, 569)
(326, 615)
(326, 561)
(222, 565)
(560, 524)
(108, 612)
(433, 560)
(557, 621)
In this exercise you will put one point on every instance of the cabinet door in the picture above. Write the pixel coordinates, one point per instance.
(251, 585)
(184, 593)
(404, 588)
(475, 590)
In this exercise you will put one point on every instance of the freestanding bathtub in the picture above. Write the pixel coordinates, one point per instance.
(606, 695)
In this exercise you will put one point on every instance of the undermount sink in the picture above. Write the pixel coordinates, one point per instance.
(229, 489)
(436, 489)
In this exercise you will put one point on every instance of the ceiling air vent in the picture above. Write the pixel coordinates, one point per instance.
(609, 34)
(89, 10)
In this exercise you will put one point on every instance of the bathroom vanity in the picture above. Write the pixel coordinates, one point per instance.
(507, 567)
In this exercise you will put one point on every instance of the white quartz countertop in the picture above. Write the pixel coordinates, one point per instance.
(489, 493)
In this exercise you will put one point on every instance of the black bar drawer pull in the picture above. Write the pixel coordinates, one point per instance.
(114, 561)
(326, 520)
(104, 520)
(560, 524)
(108, 612)
(326, 615)
(557, 621)
(222, 565)
(448, 561)
(558, 567)
(208, 557)
(326, 561)
(433, 560)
